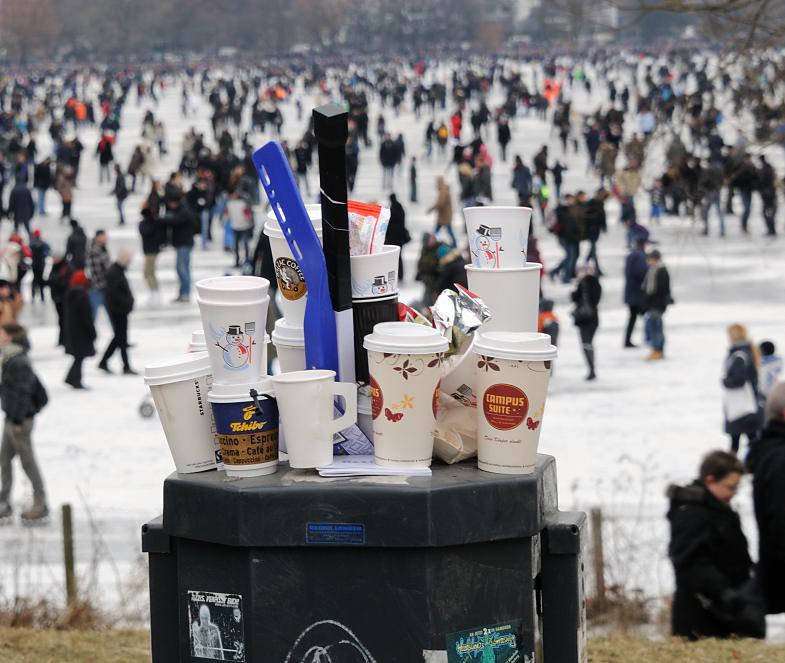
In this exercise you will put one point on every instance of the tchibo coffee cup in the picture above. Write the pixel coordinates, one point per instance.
(234, 312)
(498, 236)
(511, 294)
(179, 387)
(513, 370)
(248, 435)
(291, 283)
(404, 361)
(197, 344)
(305, 402)
(289, 342)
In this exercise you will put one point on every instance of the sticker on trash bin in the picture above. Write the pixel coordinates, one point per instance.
(216, 626)
(498, 643)
(342, 534)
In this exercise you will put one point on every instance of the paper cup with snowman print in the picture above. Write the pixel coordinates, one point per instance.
(513, 370)
(404, 361)
(498, 236)
(291, 284)
(234, 312)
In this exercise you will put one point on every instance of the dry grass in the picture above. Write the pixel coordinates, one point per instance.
(624, 649)
(21, 645)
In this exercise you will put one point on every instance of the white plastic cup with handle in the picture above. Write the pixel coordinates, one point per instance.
(179, 387)
(234, 313)
(404, 362)
(498, 236)
(305, 405)
(511, 293)
(513, 371)
(291, 284)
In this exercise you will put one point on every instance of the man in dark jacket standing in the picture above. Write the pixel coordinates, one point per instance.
(180, 219)
(635, 269)
(119, 304)
(767, 461)
(76, 246)
(20, 398)
(388, 157)
(42, 182)
(656, 299)
(21, 207)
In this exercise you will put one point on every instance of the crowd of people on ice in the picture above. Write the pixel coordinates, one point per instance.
(675, 104)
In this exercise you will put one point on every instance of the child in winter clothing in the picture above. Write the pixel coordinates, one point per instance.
(769, 370)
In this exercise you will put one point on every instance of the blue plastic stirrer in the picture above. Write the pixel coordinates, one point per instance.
(321, 346)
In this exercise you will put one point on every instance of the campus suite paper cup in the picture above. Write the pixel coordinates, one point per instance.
(179, 388)
(247, 436)
(404, 360)
(234, 312)
(512, 295)
(289, 342)
(374, 298)
(309, 434)
(498, 236)
(513, 371)
(291, 283)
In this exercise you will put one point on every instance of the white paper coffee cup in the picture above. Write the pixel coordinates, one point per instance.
(498, 236)
(248, 437)
(179, 387)
(305, 402)
(375, 276)
(513, 370)
(291, 283)
(289, 342)
(512, 295)
(404, 361)
(234, 313)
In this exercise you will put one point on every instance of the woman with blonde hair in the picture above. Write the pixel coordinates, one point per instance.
(740, 387)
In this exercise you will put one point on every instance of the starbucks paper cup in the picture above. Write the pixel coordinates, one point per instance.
(498, 236)
(248, 438)
(291, 283)
(234, 313)
(289, 342)
(375, 276)
(512, 295)
(404, 361)
(513, 370)
(179, 387)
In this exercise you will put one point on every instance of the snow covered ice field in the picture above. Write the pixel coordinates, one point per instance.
(618, 441)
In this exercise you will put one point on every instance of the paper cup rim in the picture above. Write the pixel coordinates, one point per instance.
(301, 377)
(250, 302)
(237, 393)
(288, 335)
(529, 267)
(240, 282)
(275, 231)
(497, 207)
(184, 367)
(504, 346)
(386, 250)
(405, 338)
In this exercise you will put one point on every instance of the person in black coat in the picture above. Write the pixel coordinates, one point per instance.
(42, 182)
(766, 461)
(21, 207)
(119, 304)
(635, 269)
(79, 328)
(656, 299)
(587, 296)
(59, 276)
(397, 234)
(76, 246)
(709, 553)
(596, 224)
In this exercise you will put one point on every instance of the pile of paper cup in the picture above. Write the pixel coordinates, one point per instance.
(234, 312)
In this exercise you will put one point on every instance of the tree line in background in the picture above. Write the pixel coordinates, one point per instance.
(45, 29)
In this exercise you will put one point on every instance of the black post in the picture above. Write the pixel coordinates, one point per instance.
(68, 554)
(331, 129)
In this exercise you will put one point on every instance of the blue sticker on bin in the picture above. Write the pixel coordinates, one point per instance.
(336, 534)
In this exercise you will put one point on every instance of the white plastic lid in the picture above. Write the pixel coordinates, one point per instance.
(238, 393)
(405, 338)
(181, 367)
(198, 339)
(521, 346)
(232, 289)
(273, 229)
(287, 335)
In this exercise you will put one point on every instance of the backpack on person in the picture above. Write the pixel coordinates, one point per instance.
(40, 395)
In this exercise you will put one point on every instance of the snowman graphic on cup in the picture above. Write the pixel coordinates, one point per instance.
(486, 246)
(237, 346)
